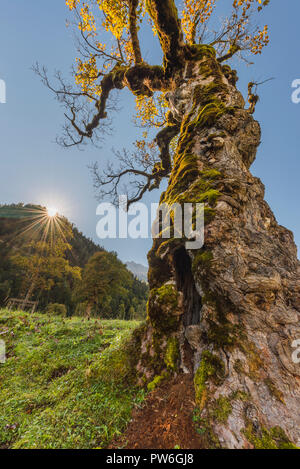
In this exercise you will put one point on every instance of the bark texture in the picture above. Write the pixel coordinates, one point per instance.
(227, 313)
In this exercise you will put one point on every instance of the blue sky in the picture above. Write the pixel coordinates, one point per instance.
(34, 169)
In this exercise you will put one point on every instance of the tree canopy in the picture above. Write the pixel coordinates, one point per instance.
(42, 266)
(110, 58)
(107, 287)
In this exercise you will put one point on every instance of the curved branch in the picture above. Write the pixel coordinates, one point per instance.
(113, 80)
(232, 51)
(141, 79)
(163, 140)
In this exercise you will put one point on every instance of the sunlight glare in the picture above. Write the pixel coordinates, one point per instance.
(52, 212)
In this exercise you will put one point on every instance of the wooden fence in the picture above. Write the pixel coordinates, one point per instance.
(22, 304)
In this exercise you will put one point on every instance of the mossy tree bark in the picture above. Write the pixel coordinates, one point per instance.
(229, 312)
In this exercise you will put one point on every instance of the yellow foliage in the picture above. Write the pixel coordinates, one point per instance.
(151, 111)
(195, 12)
(87, 20)
(259, 41)
(242, 13)
(96, 16)
(112, 17)
(198, 12)
(115, 16)
(72, 3)
(86, 75)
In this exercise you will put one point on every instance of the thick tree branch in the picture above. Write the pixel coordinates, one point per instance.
(113, 80)
(133, 4)
(83, 123)
(141, 80)
(165, 18)
(144, 79)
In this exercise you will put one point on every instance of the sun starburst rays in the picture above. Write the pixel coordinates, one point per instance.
(42, 224)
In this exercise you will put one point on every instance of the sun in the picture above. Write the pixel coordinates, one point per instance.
(52, 212)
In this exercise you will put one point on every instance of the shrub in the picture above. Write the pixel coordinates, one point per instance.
(56, 308)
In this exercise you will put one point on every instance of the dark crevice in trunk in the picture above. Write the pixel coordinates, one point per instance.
(185, 283)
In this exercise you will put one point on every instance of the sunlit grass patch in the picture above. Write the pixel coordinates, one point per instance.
(67, 383)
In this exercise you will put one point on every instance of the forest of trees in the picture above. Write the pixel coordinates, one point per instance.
(71, 270)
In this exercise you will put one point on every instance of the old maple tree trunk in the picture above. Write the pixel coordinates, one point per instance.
(229, 312)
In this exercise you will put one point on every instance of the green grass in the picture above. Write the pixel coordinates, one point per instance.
(64, 384)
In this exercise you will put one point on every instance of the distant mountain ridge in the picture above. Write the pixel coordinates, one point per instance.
(139, 270)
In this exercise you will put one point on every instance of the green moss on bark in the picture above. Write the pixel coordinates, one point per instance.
(211, 368)
(275, 438)
(222, 409)
(163, 308)
(200, 51)
(202, 260)
(222, 335)
(172, 354)
(203, 427)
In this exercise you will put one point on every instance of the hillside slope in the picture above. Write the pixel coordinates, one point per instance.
(20, 226)
(67, 383)
(16, 218)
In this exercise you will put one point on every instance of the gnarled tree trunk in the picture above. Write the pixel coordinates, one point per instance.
(229, 312)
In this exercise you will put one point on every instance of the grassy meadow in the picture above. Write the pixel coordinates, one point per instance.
(66, 382)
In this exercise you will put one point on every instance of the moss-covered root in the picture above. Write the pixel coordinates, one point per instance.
(170, 362)
(160, 355)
